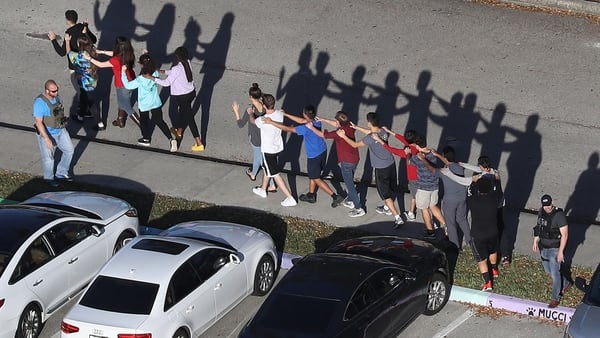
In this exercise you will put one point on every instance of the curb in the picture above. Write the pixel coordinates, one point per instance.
(529, 308)
(576, 6)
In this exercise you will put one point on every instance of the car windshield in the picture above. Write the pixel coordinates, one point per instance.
(594, 295)
(120, 295)
(299, 314)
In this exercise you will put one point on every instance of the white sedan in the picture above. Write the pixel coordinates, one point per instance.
(51, 247)
(175, 284)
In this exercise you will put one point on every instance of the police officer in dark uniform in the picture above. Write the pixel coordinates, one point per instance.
(550, 238)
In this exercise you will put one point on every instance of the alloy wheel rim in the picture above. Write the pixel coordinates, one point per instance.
(437, 294)
(265, 276)
(31, 324)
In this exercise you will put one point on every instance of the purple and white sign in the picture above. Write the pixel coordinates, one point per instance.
(531, 308)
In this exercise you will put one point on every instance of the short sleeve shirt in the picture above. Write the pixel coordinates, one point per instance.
(379, 156)
(313, 143)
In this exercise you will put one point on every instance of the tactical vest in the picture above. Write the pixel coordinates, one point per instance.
(57, 119)
(549, 231)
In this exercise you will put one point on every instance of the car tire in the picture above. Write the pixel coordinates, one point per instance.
(264, 277)
(438, 293)
(181, 333)
(121, 241)
(30, 323)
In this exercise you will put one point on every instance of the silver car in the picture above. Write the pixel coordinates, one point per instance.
(175, 284)
(584, 322)
(51, 247)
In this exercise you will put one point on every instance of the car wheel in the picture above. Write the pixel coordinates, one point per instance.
(121, 241)
(264, 276)
(437, 294)
(181, 333)
(30, 322)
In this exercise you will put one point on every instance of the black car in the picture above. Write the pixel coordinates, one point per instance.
(364, 287)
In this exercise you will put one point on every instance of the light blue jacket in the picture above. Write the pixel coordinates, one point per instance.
(148, 97)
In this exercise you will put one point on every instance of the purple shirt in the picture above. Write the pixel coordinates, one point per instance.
(177, 80)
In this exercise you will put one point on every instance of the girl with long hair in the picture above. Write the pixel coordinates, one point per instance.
(122, 54)
(183, 92)
(148, 101)
(87, 78)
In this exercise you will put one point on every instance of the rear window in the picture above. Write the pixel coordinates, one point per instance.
(308, 315)
(120, 295)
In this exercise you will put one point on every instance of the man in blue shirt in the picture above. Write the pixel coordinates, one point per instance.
(50, 123)
(316, 153)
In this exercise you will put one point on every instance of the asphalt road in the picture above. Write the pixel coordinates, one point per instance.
(454, 321)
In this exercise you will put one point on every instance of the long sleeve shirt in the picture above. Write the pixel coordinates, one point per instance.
(177, 80)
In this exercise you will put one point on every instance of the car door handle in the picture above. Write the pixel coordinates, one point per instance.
(38, 282)
(189, 309)
(73, 260)
(218, 286)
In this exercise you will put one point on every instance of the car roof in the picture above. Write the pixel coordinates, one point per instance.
(329, 275)
(19, 222)
(152, 259)
(92, 205)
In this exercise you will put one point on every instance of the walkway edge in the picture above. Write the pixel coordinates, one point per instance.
(576, 6)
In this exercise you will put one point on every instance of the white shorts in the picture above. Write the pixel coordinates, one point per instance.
(426, 199)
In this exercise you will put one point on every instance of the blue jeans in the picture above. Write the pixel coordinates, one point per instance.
(124, 100)
(348, 176)
(552, 267)
(63, 142)
(256, 159)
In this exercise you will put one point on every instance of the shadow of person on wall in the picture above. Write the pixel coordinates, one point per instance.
(582, 207)
(214, 59)
(418, 106)
(522, 164)
(459, 124)
(118, 20)
(296, 95)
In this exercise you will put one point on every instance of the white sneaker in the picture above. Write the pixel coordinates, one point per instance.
(409, 216)
(173, 145)
(260, 192)
(289, 202)
(348, 204)
(356, 212)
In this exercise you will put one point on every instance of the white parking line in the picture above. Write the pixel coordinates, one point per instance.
(456, 323)
(236, 331)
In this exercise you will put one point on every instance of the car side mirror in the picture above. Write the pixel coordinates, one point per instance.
(97, 231)
(233, 258)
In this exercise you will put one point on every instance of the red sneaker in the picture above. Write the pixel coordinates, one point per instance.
(495, 272)
(487, 286)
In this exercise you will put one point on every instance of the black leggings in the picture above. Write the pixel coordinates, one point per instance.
(185, 116)
(157, 119)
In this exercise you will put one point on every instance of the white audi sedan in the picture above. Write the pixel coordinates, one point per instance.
(51, 246)
(175, 284)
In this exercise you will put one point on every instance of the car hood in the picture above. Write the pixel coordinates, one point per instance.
(106, 207)
(102, 319)
(584, 322)
(235, 235)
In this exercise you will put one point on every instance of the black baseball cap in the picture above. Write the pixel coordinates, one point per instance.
(546, 200)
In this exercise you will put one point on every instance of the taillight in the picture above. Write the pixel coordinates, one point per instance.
(68, 328)
(134, 335)
(1, 302)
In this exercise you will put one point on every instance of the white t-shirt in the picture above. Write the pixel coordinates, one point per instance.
(271, 141)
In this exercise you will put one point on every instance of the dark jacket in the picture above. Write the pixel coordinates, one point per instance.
(75, 31)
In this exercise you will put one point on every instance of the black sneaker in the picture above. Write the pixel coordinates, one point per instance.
(310, 198)
(337, 200)
(144, 141)
(52, 183)
(398, 222)
(429, 234)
